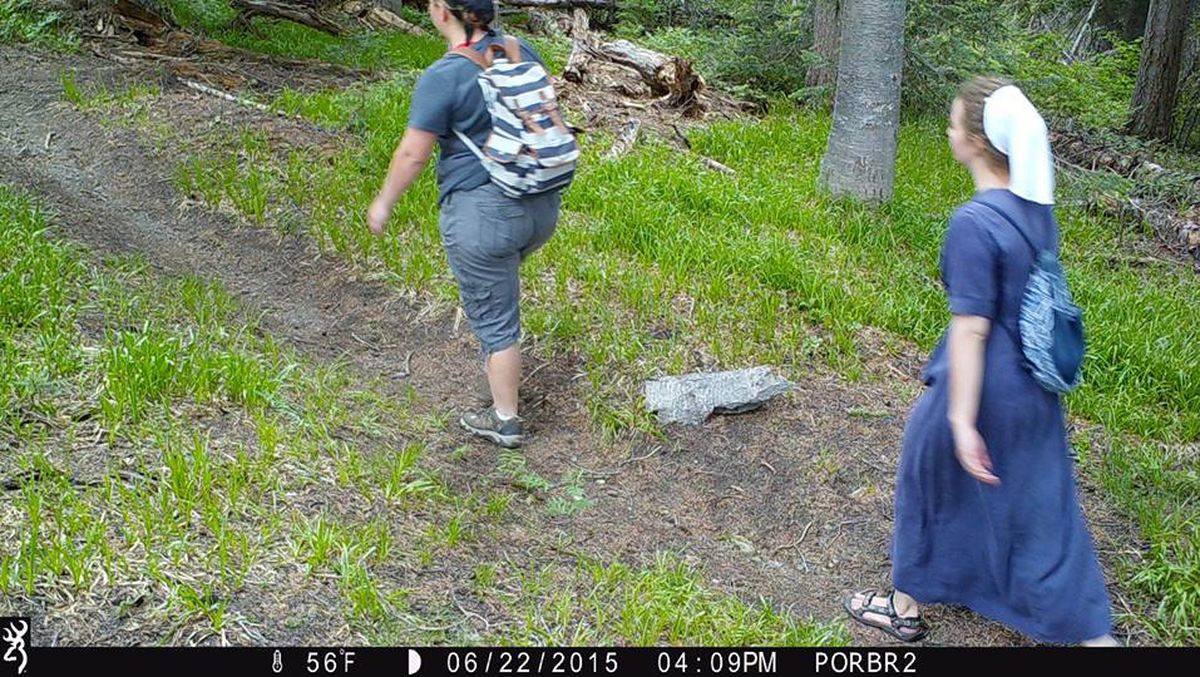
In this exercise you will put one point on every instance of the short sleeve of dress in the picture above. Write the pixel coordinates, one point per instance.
(970, 266)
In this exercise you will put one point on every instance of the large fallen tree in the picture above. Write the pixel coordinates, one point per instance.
(306, 14)
(671, 78)
(133, 32)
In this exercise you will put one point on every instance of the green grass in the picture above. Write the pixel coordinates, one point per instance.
(91, 97)
(368, 50)
(21, 21)
(371, 51)
(228, 462)
(205, 16)
(664, 603)
(110, 354)
(1159, 486)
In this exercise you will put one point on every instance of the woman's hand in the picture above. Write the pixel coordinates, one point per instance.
(378, 215)
(972, 453)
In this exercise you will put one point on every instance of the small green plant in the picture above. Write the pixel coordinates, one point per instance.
(514, 466)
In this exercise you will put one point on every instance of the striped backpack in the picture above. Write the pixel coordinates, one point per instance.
(530, 150)
(1051, 325)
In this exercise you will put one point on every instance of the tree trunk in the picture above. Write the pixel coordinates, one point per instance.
(861, 158)
(1135, 19)
(1158, 77)
(826, 38)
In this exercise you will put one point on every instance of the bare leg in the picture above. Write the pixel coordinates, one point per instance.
(504, 378)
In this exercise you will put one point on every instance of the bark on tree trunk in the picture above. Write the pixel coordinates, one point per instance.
(1135, 19)
(826, 37)
(861, 158)
(1157, 86)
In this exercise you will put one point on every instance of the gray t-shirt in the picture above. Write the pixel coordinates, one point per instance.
(447, 97)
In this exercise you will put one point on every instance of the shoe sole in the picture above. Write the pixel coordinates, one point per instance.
(506, 441)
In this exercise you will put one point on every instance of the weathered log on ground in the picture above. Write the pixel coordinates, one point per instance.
(291, 11)
(379, 18)
(1165, 199)
(131, 33)
(669, 77)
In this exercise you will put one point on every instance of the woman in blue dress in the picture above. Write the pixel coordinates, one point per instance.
(986, 510)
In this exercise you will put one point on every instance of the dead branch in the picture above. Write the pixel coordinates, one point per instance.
(704, 159)
(716, 166)
(213, 91)
(626, 141)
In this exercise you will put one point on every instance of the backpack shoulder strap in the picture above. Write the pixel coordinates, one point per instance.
(1003, 214)
(470, 55)
(511, 49)
(1033, 250)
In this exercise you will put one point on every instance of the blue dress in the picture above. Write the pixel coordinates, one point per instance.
(1018, 553)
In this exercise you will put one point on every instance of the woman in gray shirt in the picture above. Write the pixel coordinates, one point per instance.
(486, 233)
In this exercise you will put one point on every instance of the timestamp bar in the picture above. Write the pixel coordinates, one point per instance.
(600, 661)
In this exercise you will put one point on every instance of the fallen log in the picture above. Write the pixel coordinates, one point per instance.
(671, 78)
(290, 11)
(379, 18)
(192, 57)
(667, 75)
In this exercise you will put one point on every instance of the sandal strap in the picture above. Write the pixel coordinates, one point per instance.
(898, 621)
(911, 623)
(870, 605)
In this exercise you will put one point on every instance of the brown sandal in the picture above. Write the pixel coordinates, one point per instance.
(915, 626)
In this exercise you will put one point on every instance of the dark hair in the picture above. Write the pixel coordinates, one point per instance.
(973, 94)
(474, 14)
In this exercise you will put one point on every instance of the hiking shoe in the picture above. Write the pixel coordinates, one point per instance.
(487, 424)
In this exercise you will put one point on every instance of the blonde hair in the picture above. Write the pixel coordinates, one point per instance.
(973, 94)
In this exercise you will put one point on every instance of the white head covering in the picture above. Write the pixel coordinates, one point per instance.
(1016, 129)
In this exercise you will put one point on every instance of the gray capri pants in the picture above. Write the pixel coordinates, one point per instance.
(487, 235)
